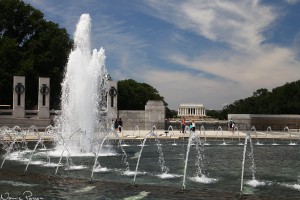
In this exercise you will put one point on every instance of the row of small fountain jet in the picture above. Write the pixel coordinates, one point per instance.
(286, 134)
(16, 140)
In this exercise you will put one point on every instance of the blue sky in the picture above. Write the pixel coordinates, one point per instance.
(194, 51)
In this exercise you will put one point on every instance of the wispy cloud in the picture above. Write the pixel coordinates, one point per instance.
(238, 23)
(292, 1)
(247, 64)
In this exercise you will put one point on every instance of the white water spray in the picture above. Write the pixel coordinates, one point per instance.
(84, 90)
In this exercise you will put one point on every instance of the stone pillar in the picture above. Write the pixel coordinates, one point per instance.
(112, 99)
(44, 98)
(19, 97)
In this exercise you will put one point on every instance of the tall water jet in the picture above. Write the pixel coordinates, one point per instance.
(199, 160)
(164, 169)
(84, 90)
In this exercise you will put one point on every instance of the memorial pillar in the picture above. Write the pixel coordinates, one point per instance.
(44, 98)
(19, 97)
(112, 99)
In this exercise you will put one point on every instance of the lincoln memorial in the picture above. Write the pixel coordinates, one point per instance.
(197, 110)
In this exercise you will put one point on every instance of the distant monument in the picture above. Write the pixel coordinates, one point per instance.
(191, 110)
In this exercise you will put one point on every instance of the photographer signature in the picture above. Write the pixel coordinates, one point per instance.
(27, 195)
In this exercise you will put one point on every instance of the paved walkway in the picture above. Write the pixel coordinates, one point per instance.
(162, 134)
(218, 135)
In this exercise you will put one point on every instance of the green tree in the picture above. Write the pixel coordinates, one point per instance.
(215, 114)
(171, 113)
(134, 95)
(281, 100)
(32, 47)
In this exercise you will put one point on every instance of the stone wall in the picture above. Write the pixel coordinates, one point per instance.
(262, 122)
(132, 118)
(154, 114)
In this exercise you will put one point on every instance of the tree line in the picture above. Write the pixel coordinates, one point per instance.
(284, 99)
(32, 47)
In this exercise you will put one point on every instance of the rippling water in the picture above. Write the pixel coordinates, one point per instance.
(277, 173)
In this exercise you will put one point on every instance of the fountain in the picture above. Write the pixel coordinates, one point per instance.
(170, 130)
(199, 158)
(237, 130)
(202, 129)
(81, 134)
(100, 145)
(285, 129)
(290, 135)
(251, 156)
(253, 129)
(269, 130)
(161, 161)
(220, 161)
(84, 90)
(220, 129)
(136, 128)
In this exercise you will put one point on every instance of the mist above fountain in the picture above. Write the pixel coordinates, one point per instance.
(84, 90)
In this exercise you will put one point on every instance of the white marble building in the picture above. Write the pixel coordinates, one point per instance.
(188, 110)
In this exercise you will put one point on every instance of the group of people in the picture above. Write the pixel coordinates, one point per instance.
(183, 125)
(231, 126)
(192, 126)
(117, 124)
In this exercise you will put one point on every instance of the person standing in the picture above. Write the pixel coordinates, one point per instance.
(183, 125)
(116, 124)
(193, 126)
(120, 125)
(233, 127)
(230, 123)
